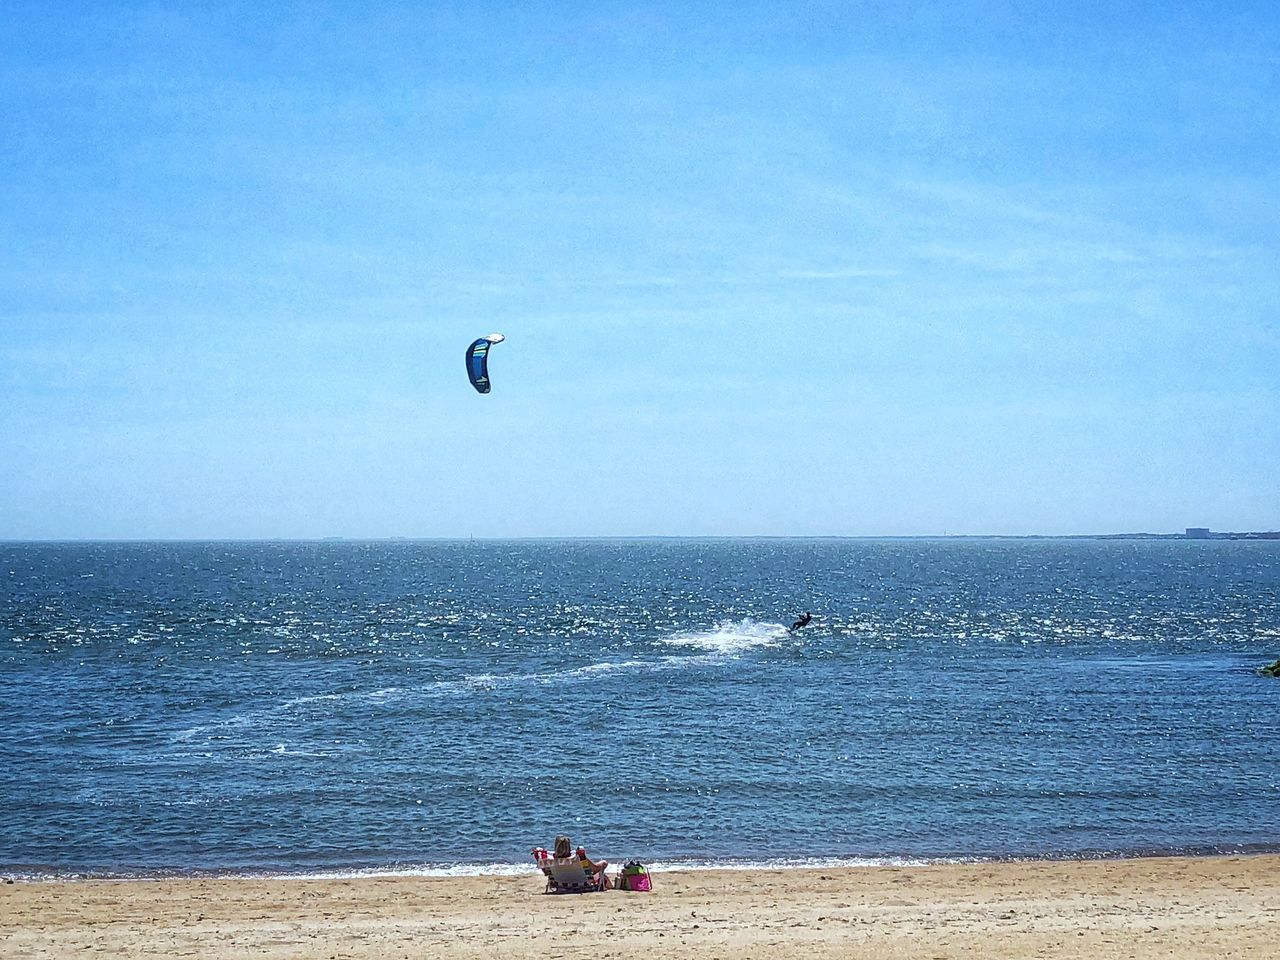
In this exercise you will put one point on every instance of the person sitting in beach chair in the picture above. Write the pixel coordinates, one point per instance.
(570, 872)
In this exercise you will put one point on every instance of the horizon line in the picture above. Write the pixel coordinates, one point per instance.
(1212, 535)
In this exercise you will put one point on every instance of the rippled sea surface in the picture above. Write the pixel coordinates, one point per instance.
(436, 706)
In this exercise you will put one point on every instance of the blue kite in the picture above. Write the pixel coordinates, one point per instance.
(478, 361)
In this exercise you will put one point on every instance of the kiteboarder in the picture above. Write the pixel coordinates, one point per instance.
(802, 622)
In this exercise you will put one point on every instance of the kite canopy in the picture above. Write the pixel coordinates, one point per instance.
(478, 361)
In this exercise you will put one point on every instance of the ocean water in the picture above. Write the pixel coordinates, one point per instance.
(444, 706)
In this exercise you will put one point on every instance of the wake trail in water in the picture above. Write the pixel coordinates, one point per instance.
(724, 642)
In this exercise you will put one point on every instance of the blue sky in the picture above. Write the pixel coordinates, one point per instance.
(779, 269)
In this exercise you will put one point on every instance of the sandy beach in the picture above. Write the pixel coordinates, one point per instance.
(1160, 907)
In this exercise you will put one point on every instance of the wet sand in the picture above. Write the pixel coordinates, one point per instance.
(1149, 908)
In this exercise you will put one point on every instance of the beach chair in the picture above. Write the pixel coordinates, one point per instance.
(570, 875)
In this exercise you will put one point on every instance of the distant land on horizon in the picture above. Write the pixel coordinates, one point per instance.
(1192, 533)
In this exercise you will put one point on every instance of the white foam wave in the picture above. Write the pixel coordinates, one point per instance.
(513, 869)
(793, 863)
(423, 870)
(657, 866)
(731, 637)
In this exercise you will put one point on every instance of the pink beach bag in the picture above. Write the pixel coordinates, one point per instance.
(638, 882)
(634, 877)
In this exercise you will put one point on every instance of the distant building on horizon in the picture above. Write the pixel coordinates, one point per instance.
(1204, 533)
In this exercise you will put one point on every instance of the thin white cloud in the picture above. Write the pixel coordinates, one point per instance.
(851, 273)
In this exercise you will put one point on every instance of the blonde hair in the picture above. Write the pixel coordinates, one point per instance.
(564, 847)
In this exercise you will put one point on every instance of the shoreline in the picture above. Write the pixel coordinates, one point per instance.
(30, 873)
(1139, 907)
